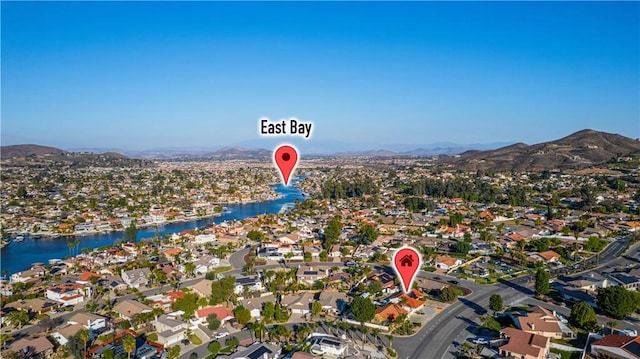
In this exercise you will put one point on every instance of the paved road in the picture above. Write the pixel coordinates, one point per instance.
(237, 258)
(438, 338)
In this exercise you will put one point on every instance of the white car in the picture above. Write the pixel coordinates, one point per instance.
(221, 335)
(480, 341)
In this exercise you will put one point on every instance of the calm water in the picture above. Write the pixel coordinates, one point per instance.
(19, 256)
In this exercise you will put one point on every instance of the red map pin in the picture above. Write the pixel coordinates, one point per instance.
(286, 158)
(407, 262)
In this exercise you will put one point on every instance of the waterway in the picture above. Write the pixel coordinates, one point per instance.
(19, 256)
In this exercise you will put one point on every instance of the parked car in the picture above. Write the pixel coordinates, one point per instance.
(455, 282)
(221, 335)
(482, 341)
(351, 264)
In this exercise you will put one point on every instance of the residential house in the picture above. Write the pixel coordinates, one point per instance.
(91, 321)
(62, 334)
(206, 263)
(446, 262)
(28, 275)
(299, 303)
(309, 275)
(389, 313)
(254, 351)
(331, 347)
(250, 284)
(136, 278)
(202, 288)
(34, 348)
(524, 345)
(170, 330)
(129, 308)
(68, 293)
(254, 305)
(626, 281)
(412, 301)
(386, 281)
(540, 321)
(549, 256)
(221, 312)
(616, 346)
(36, 305)
(332, 302)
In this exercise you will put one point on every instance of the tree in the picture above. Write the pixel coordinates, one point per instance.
(324, 256)
(542, 282)
(332, 232)
(222, 290)
(242, 314)
(316, 308)
(3, 339)
(362, 309)
(213, 323)
(214, 347)
(583, 316)
(129, 344)
(255, 235)
(174, 352)
(462, 247)
(616, 301)
(307, 257)
(495, 303)
(367, 234)
(131, 232)
(18, 318)
(448, 294)
(190, 268)
(259, 329)
(188, 304)
(268, 311)
(85, 335)
(489, 322)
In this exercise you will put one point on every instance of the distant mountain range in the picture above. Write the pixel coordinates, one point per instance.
(583, 149)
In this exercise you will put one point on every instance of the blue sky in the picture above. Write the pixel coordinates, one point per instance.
(137, 75)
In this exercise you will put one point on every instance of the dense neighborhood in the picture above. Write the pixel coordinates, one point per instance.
(548, 262)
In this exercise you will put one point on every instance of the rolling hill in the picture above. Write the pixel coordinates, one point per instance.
(583, 149)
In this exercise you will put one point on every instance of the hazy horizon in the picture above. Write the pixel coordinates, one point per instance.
(142, 75)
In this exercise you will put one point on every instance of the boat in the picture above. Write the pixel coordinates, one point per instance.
(19, 239)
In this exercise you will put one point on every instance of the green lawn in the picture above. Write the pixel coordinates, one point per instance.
(195, 339)
(152, 336)
(222, 269)
(566, 355)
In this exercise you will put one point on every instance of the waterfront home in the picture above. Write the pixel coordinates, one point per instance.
(128, 308)
(136, 278)
(28, 275)
(524, 345)
(170, 330)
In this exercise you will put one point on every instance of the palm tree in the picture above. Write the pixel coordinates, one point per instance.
(612, 324)
(190, 268)
(85, 335)
(77, 244)
(18, 318)
(70, 245)
(129, 344)
(3, 339)
(390, 337)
